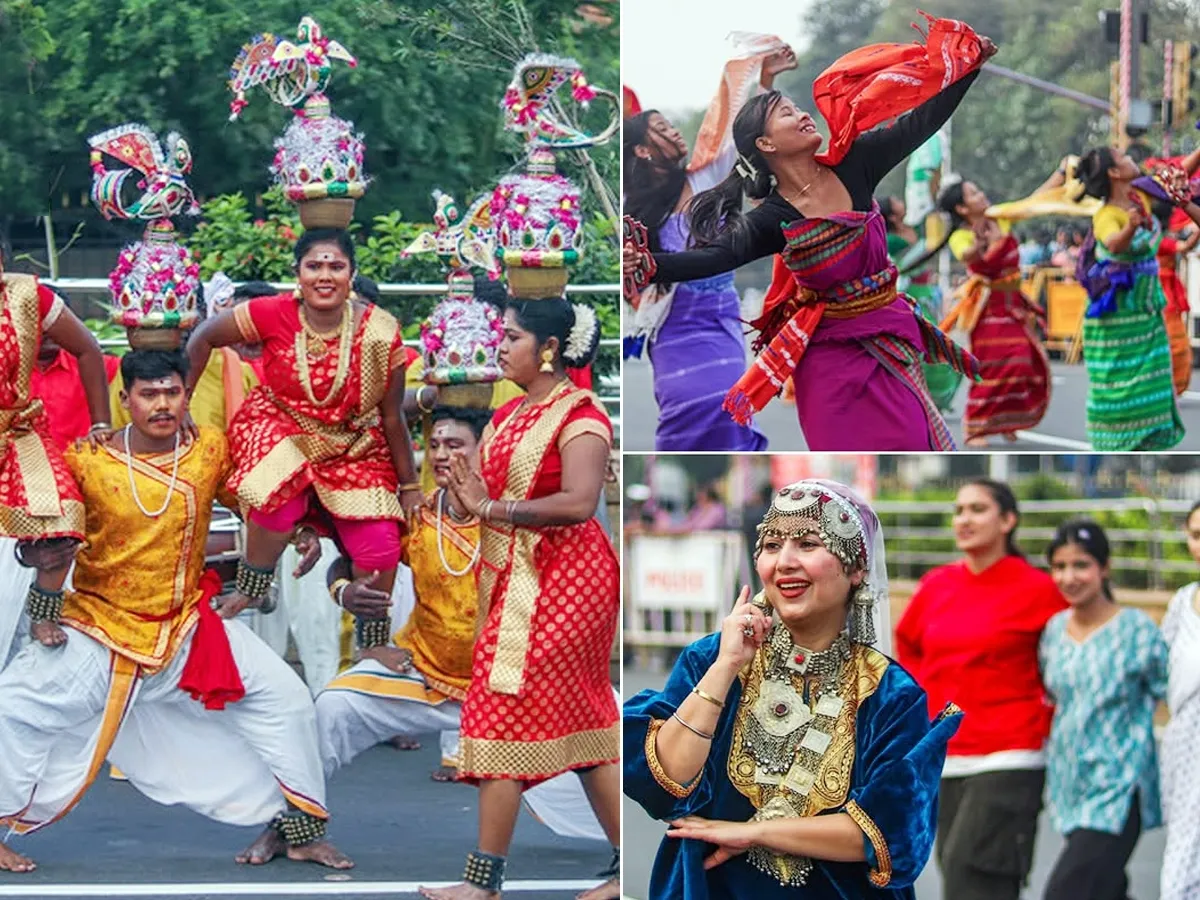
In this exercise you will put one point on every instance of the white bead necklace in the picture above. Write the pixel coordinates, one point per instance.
(441, 551)
(133, 484)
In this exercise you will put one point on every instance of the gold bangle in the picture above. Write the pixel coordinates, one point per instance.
(337, 588)
(410, 486)
(719, 704)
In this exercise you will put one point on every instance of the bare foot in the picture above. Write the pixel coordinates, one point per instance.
(11, 861)
(404, 743)
(323, 853)
(977, 442)
(610, 890)
(49, 634)
(444, 774)
(394, 658)
(265, 848)
(462, 891)
(1010, 436)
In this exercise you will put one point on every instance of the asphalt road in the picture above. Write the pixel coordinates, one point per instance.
(401, 828)
(1064, 426)
(642, 835)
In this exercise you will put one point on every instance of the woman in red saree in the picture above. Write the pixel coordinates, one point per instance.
(540, 701)
(39, 500)
(1015, 388)
(323, 436)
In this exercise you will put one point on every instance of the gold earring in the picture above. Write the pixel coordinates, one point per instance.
(547, 361)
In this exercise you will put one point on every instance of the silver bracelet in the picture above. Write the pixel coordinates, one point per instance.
(100, 426)
(510, 510)
(691, 728)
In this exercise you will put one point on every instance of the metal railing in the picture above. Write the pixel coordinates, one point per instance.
(1149, 566)
(611, 396)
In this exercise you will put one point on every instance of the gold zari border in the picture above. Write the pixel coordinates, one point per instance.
(529, 760)
(674, 788)
(881, 876)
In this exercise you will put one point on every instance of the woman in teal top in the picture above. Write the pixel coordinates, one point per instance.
(1105, 669)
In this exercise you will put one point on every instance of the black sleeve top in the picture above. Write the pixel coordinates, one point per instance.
(869, 159)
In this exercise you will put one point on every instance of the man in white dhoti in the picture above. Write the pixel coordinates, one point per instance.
(136, 666)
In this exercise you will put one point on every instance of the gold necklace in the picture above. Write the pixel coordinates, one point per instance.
(804, 190)
(303, 343)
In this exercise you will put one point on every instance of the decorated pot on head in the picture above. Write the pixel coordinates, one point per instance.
(154, 285)
(319, 159)
(461, 337)
(536, 212)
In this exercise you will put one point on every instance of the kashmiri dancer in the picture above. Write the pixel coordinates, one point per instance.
(789, 755)
(104, 677)
(1180, 785)
(1105, 671)
(324, 435)
(833, 307)
(701, 319)
(540, 702)
(970, 634)
(1014, 392)
(1131, 397)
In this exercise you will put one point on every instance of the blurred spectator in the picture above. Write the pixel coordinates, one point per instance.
(55, 381)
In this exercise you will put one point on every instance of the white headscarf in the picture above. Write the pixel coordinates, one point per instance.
(218, 292)
(860, 520)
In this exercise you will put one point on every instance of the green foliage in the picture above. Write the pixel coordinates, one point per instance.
(428, 123)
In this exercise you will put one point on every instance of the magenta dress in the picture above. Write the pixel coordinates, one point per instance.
(859, 386)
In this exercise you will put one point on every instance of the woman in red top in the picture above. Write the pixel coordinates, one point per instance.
(323, 435)
(1174, 242)
(970, 634)
(540, 701)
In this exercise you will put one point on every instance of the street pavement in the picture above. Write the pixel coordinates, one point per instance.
(642, 835)
(1064, 427)
(401, 828)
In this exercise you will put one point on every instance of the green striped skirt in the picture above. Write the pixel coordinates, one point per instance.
(1131, 398)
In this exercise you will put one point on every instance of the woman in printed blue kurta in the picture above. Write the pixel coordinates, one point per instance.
(1105, 669)
(779, 766)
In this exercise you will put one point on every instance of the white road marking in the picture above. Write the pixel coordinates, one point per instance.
(1052, 440)
(261, 889)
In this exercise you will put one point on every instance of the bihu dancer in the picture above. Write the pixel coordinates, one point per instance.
(833, 306)
(139, 626)
(323, 439)
(540, 702)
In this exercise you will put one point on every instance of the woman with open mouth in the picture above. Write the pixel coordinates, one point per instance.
(970, 634)
(322, 439)
(680, 324)
(833, 320)
(790, 756)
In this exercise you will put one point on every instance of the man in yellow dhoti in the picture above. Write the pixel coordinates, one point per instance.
(416, 685)
(104, 678)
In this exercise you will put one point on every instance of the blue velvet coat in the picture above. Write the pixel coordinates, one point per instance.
(897, 768)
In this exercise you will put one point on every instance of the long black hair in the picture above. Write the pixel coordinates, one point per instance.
(1093, 172)
(887, 209)
(720, 210)
(1088, 535)
(1002, 495)
(948, 202)
(651, 192)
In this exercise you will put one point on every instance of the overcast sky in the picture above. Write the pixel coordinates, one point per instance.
(672, 51)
